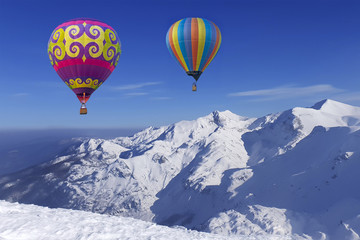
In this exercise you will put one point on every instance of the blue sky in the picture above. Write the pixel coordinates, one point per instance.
(274, 55)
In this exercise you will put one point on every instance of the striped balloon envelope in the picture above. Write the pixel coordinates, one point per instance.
(84, 52)
(193, 42)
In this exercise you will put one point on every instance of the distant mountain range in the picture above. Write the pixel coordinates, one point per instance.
(20, 149)
(291, 174)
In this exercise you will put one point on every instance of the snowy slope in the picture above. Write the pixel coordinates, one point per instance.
(292, 173)
(29, 222)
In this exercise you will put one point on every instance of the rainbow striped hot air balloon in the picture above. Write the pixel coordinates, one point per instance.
(84, 52)
(193, 42)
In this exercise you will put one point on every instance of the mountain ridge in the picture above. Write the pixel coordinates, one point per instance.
(272, 174)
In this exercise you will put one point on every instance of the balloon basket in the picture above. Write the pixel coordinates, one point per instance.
(194, 87)
(83, 109)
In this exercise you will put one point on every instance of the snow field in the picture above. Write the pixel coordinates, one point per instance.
(30, 222)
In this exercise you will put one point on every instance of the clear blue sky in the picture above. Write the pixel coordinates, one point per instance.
(275, 55)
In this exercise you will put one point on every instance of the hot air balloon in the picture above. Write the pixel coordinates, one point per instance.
(193, 42)
(84, 52)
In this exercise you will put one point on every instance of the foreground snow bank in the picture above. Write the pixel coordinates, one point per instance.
(20, 221)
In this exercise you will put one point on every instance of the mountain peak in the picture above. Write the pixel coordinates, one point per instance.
(226, 112)
(226, 117)
(325, 102)
(335, 107)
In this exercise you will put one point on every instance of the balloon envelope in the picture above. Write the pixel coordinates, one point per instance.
(84, 52)
(193, 42)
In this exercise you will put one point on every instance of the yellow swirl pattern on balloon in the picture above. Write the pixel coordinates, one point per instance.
(79, 83)
(93, 51)
(110, 49)
(57, 48)
(73, 50)
(84, 41)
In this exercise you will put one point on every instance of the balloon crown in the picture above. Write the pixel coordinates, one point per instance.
(84, 18)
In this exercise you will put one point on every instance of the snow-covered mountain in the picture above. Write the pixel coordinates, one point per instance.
(292, 173)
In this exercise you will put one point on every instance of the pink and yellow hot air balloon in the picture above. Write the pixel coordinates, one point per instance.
(84, 52)
(193, 42)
